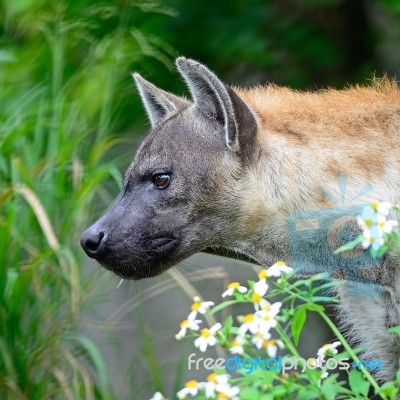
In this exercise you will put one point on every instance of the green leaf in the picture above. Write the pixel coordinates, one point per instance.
(228, 325)
(350, 245)
(389, 389)
(357, 382)
(267, 396)
(96, 358)
(329, 389)
(395, 329)
(250, 393)
(298, 322)
(309, 395)
(314, 307)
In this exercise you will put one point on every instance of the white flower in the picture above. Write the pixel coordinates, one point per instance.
(381, 207)
(264, 341)
(266, 316)
(191, 387)
(259, 290)
(272, 346)
(259, 338)
(232, 287)
(276, 270)
(215, 381)
(227, 392)
(324, 375)
(266, 322)
(157, 396)
(237, 345)
(250, 322)
(207, 337)
(328, 350)
(367, 219)
(372, 237)
(374, 224)
(200, 307)
(190, 323)
(365, 223)
(315, 363)
(270, 309)
(384, 225)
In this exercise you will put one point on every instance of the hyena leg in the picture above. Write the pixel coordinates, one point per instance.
(366, 312)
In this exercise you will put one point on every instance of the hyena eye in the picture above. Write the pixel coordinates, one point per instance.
(161, 181)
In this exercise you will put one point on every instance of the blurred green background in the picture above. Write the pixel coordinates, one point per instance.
(70, 120)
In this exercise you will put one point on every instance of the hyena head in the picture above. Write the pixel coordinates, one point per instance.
(181, 192)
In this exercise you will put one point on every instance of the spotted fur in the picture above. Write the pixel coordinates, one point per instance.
(241, 162)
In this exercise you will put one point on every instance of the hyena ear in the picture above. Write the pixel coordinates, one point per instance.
(158, 103)
(219, 102)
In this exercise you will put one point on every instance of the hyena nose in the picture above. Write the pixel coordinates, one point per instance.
(93, 241)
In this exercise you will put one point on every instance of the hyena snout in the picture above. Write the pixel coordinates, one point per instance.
(131, 244)
(94, 241)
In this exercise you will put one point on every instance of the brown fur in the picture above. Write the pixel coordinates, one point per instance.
(306, 142)
(241, 165)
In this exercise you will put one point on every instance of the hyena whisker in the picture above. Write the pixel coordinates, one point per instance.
(205, 277)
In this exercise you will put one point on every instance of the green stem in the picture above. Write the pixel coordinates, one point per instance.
(226, 304)
(288, 343)
(350, 351)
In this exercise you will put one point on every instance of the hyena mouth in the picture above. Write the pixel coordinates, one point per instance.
(146, 262)
(164, 244)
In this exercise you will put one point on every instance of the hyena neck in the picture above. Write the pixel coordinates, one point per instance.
(262, 226)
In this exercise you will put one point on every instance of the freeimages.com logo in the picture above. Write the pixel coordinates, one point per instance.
(314, 235)
(281, 363)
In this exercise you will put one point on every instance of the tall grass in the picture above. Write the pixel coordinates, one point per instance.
(54, 136)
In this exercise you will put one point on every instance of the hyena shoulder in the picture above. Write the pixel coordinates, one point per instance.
(321, 135)
(302, 116)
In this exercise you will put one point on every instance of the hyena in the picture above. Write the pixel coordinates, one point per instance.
(229, 168)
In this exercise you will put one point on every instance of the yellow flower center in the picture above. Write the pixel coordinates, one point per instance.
(381, 224)
(311, 362)
(374, 205)
(256, 297)
(263, 274)
(368, 222)
(191, 384)
(222, 396)
(196, 305)
(249, 318)
(233, 285)
(205, 333)
(326, 346)
(184, 323)
(212, 377)
(235, 343)
(267, 318)
(265, 344)
(280, 264)
(271, 342)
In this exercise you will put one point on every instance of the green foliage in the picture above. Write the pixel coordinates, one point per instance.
(61, 89)
(273, 323)
(358, 384)
(66, 98)
(299, 320)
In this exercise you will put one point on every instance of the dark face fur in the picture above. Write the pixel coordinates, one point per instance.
(174, 198)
